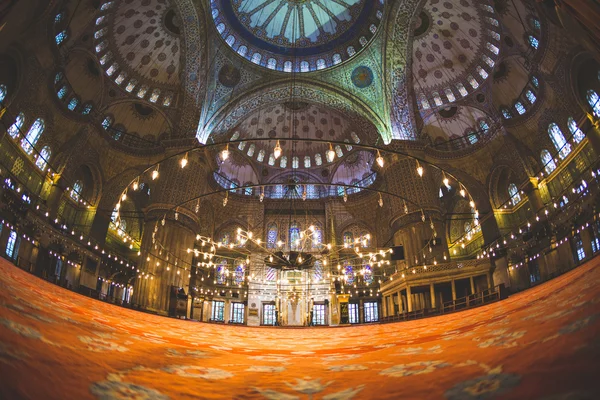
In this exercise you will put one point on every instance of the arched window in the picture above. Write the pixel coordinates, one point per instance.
(594, 102)
(295, 162)
(547, 161)
(3, 92)
(272, 236)
(514, 194)
(43, 158)
(73, 103)
(520, 108)
(76, 190)
(15, 128)
(531, 97)
(484, 127)
(239, 274)
(62, 92)
(365, 238)
(506, 113)
(558, 138)
(348, 238)
(87, 109)
(533, 42)
(472, 137)
(272, 63)
(12, 247)
(368, 276)
(575, 131)
(226, 239)
(222, 272)
(61, 37)
(349, 274)
(579, 248)
(294, 236)
(33, 135)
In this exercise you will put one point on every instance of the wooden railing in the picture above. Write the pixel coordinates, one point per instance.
(474, 300)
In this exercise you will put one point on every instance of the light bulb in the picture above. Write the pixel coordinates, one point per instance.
(277, 150)
(419, 169)
(330, 154)
(380, 200)
(472, 204)
(136, 185)
(462, 192)
(225, 201)
(225, 153)
(184, 161)
(155, 174)
(446, 181)
(380, 160)
(124, 196)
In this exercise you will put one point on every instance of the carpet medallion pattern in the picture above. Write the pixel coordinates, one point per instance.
(543, 343)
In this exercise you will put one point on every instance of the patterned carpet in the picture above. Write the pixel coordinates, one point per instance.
(540, 344)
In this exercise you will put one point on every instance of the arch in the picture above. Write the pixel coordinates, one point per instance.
(42, 159)
(237, 109)
(547, 161)
(33, 135)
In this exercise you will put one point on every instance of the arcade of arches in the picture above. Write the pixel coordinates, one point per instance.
(298, 163)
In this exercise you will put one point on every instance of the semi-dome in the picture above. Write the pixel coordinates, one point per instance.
(297, 35)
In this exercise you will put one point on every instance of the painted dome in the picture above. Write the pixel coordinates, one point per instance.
(297, 35)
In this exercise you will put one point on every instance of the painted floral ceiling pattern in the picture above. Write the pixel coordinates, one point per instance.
(297, 35)
(456, 47)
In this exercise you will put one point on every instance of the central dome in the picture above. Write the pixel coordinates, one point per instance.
(297, 35)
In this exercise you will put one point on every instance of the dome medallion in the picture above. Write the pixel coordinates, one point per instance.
(297, 35)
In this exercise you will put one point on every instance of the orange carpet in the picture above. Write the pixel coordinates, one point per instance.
(540, 344)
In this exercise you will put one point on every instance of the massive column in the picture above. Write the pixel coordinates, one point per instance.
(170, 228)
(415, 225)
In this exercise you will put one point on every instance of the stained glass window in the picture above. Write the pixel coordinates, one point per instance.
(226, 239)
(530, 96)
(43, 158)
(76, 190)
(283, 162)
(349, 274)
(62, 92)
(106, 122)
(533, 42)
(506, 113)
(121, 78)
(11, 245)
(33, 135)
(295, 162)
(535, 81)
(61, 37)
(461, 89)
(493, 48)
(16, 127)
(472, 137)
(514, 194)
(3, 92)
(295, 237)
(449, 95)
(575, 131)
(222, 272)
(261, 156)
(307, 162)
(437, 99)
(73, 103)
(87, 109)
(484, 127)
(239, 275)
(547, 161)
(473, 82)
(520, 108)
(348, 238)
(272, 236)
(558, 138)
(365, 238)
(594, 102)
(272, 63)
(482, 72)
(368, 275)
(251, 150)
(317, 237)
